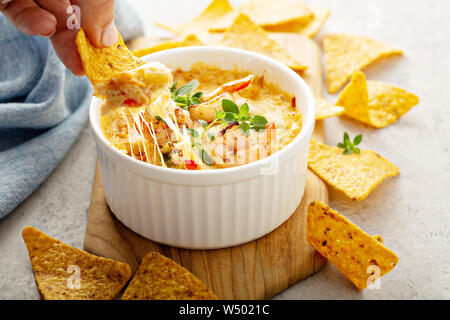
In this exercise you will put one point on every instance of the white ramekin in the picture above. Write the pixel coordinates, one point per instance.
(212, 208)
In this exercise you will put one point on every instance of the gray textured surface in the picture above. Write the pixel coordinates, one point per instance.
(59, 207)
(410, 211)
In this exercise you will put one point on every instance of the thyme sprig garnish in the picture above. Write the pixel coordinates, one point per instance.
(183, 96)
(350, 146)
(232, 113)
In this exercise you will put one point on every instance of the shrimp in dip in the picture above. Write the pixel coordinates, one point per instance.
(198, 119)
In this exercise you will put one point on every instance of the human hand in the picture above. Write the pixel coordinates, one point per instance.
(48, 18)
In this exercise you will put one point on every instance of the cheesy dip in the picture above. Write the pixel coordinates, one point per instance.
(197, 119)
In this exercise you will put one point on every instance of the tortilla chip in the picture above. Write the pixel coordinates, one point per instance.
(355, 98)
(345, 54)
(375, 103)
(53, 261)
(350, 249)
(159, 278)
(356, 175)
(216, 10)
(324, 109)
(101, 64)
(244, 34)
(267, 13)
(188, 41)
(307, 28)
(378, 238)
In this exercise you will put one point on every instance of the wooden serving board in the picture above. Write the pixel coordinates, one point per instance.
(256, 270)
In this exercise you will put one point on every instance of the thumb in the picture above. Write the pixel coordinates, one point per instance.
(97, 20)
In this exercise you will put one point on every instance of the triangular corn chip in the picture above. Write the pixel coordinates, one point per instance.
(375, 103)
(189, 40)
(355, 98)
(307, 28)
(66, 273)
(244, 34)
(159, 278)
(216, 10)
(324, 109)
(356, 175)
(360, 257)
(387, 103)
(345, 54)
(101, 64)
(267, 13)
(378, 238)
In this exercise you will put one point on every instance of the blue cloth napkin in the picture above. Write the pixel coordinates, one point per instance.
(43, 107)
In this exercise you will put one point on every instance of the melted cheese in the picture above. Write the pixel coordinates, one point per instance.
(137, 132)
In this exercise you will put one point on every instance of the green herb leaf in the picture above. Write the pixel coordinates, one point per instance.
(220, 114)
(259, 121)
(187, 88)
(346, 137)
(230, 106)
(211, 136)
(205, 157)
(244, 126)
(347, 151)
(198, 94)
(182, 96)
(180, 99)
(350, 146)
(173, 87)
(357, 139)
(243, 112)
(203, 123)
(193, 132)
(229, 117)
(195, 100)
